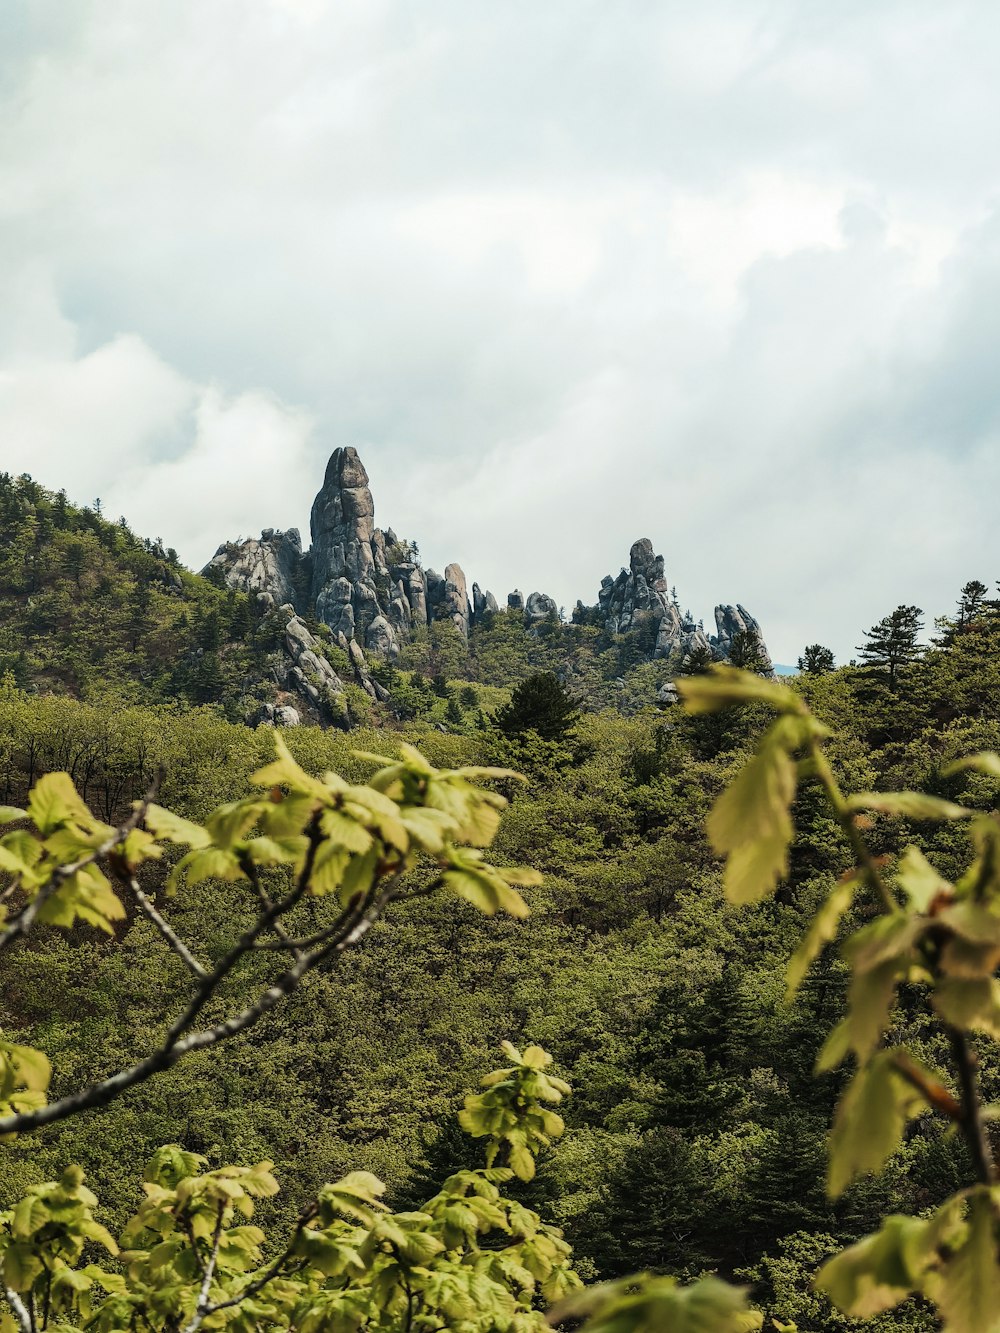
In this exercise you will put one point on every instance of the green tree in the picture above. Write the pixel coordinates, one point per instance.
(697, 661)
(816, 660)
(541, 704)
(747, 652)
(893, 644)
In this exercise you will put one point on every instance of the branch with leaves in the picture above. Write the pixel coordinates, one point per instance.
(347, 849)
(938, 935)
(469, 1258)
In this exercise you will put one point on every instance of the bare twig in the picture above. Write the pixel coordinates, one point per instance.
(20, 1309)
(272, 1270)
(202, 1308)
(354, 926)
(164, 927)
(264, 898)
(973, 1127)
(247, 940)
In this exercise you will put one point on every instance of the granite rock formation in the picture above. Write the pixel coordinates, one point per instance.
(640, 600)
(368, 586)
(269, 566)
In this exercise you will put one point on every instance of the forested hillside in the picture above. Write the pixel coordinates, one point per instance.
(697, 1133)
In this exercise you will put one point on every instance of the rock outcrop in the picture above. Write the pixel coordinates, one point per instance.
(368, 586)
(640, 600)
(269, 567)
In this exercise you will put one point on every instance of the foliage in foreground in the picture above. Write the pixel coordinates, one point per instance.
(470, 1258)
(938, 937)
(188, 1258)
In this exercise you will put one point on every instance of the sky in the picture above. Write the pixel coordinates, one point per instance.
(566, 273)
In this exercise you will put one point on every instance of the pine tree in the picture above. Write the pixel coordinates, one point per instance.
(747, 652)
(697, 661)
(816, 660)
(541, 704)
(892, 643)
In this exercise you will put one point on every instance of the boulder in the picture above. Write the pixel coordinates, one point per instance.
(539, 606)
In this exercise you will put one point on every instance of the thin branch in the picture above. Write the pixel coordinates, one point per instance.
(100, 1094)
(247, 940)
(19, 1308)
(164, 927)
(25, 919)
(202, 1307)
(264, 898)
(321, 936)
(272, 1270)
(845, 817)
(973, 1127)
(967, 1113)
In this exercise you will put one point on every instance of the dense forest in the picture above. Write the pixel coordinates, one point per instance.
(696, 1134)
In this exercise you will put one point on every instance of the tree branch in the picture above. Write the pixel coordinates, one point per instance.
(202, 1307)
(19, 1308)
(25, 919)
(354, 926)
(971, 1121)
(845, 817)
(247, 940)
(272, 1270)
(264, 898)
(165, 929)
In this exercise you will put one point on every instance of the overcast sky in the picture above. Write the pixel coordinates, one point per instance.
(566, 272)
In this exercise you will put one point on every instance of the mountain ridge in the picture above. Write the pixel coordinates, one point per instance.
(367, 585)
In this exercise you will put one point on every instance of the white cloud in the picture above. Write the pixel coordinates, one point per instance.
(724, 275)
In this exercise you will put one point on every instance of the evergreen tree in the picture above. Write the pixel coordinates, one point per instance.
(541, 704)
(816, 660)
(892, 643)
(697, 661)
(972, 606)
(747, 652)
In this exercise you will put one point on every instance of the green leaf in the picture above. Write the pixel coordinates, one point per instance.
(21, 1265)
(879, 954)
(908, 804)
(723, 686)
(166, 825)
(919, 880)
(645, 1304)
(55, 801)
(486, 891)
(285, 772)
(522, 1163)
(972, 1004)
(32, 1067)
(986, 761)
(869, 1121)
(974, 948)
(750, 822)
(883, 1269)
(10, 813)
(967, 1288)
(822, 929)
(345, 832)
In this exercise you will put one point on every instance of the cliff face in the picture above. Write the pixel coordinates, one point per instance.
(369, 586)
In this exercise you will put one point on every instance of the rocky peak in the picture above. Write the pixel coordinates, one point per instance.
(366, 584)
(268, 566)
(639, 599)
